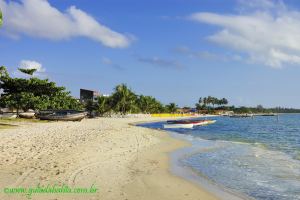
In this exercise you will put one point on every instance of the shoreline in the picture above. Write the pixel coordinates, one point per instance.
(121, 160)
(187, 173)
(177, 187)
(198, 178)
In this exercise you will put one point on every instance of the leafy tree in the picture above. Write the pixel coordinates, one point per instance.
(171, 107)
(243, 109)
(123, 99)
(201, 105)
(260, 108)
(208, 104)
(224, 101)
(148, 104)
(103, 105)
(205, 101)
(33, 93)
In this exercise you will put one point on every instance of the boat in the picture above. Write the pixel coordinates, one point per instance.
(61, 115)
(178, 125)
(8, 115)
(27, 115)
(187, 123)
(184, 121)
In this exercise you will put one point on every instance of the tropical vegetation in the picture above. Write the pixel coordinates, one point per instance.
(40, 94)
(33, 93)
(123, 100)
(208, 103)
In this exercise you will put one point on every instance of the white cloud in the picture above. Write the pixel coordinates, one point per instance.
(37, 18)
(268, 33)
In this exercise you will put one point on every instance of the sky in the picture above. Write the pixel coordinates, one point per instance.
(174, 50)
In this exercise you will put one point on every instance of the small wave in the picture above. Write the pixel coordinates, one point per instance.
(248, 169)
(259, 158)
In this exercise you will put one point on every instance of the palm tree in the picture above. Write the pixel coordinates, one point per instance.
(123, 99)
(149, 104)
(172, 107)
(200, 104)
(205, 101)
(208, 100)
(224, 101)
(103, 105)
(144, 103)
(215, 101)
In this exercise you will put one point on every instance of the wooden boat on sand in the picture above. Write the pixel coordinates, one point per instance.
(27, 115)
(8, 115)
(61, 115)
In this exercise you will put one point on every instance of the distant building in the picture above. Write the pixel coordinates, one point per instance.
(86, 95)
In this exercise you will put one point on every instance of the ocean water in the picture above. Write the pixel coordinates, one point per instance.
(258, 157)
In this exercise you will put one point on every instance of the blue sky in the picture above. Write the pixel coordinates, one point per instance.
(175, 50)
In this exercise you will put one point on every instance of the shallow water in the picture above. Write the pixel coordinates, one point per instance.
(258, 157)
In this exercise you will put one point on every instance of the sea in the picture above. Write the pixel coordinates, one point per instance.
(254, 158)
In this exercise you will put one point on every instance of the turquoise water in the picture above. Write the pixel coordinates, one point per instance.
(258, 157)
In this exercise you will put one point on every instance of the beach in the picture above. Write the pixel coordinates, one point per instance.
(118, 159)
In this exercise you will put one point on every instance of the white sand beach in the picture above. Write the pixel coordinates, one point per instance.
(122, 161)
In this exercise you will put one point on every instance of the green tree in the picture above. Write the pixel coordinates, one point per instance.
(209, 100)
(33, 93)
(224, 101)
(214, 101)
(171, 107)
(260, 108)
(124, 100)
(200, 105)
(144, 103)
(243, 109)
(148, 104)
(205, 101)
(103, 105)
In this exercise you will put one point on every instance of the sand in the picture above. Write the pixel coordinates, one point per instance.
(120, 160)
